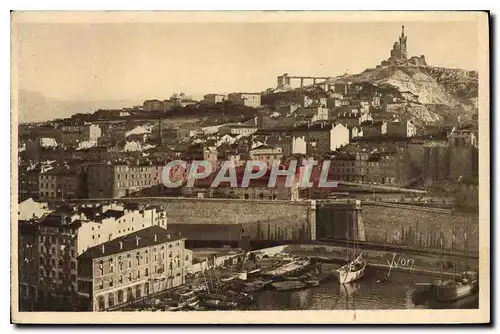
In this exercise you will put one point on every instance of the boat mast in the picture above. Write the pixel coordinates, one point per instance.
(466, 247)
(354, 238)
(454, 253)
(442, 252)
(347, 240)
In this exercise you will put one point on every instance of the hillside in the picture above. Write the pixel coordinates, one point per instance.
(455, 89)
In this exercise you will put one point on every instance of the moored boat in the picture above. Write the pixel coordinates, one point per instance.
(193, 305)
(289, 285)
(187, 294)
(240, 297)
(352, 271)
(452, 290)
(219, 304)
(256, 285)
(296, 278)
(311, 283)
(173, 308)
(173, 305)
(289, 268)
(254, 273)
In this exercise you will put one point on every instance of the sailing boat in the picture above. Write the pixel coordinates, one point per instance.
(459, 287)
(354, 269)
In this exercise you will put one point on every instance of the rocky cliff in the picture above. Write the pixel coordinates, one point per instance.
(439, 91)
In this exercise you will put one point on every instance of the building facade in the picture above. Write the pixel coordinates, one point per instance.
(60, 183)
(384, 168)
(121, 180)
(49, 249)
(245, 99)
(214, 98)
(73, 133)
(401, 129)
(464, 154)
(436, 161)
(132, 267)
(152, 105)
(267, 154)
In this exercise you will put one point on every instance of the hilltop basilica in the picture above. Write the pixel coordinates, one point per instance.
(399, 54)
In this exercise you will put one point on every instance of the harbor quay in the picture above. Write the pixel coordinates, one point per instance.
(227, 266)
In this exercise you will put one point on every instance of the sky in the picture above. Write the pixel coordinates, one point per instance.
(138, 61)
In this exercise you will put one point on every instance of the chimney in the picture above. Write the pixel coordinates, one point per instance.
(102, 248)
(121, 245)
(168, 236)
(156, 238)
(137, 241)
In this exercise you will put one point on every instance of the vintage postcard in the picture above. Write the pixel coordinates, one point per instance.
(250, 167)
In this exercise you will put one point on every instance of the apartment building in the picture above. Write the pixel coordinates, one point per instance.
(131, 267)
(61, 236)
(245, 99)
(121, 180)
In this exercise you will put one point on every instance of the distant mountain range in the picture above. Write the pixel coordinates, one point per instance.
(35, 107)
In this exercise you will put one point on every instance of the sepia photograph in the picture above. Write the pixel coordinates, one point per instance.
(250, 167)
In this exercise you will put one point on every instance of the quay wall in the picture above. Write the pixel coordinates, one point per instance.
(418, 227)
(286, 221)
(261, 220)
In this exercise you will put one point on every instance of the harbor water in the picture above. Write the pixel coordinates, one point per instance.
(400, 292)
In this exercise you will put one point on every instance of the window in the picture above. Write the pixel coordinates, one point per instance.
(111, 300)
(129, 263)
(138, 274)
(101, 284)
(101, 303)
(120, 296)
(146, 260)
(146, 272)
(129, 276)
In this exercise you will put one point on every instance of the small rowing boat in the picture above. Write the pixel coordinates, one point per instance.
(220, 304)
(289, 285)
(289, 268)
(256, 286)
(352, 271)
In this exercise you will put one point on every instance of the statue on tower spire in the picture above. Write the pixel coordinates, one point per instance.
(399, 54)
(402, 44)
